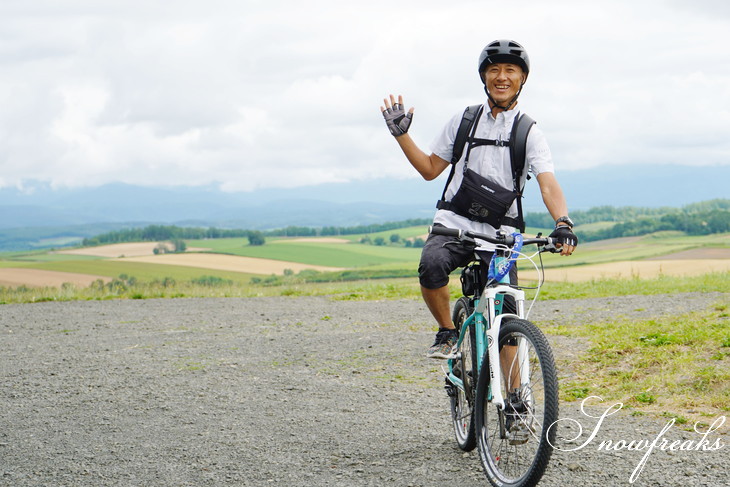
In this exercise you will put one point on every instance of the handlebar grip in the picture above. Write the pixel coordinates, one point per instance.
(449, 232)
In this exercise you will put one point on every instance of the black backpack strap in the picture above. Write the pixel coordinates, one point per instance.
(518, 158)
(471, 114)
(462, 133)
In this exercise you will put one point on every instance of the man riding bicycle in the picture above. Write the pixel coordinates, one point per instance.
(484, 167)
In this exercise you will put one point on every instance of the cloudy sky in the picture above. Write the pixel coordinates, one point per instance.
(245, 94)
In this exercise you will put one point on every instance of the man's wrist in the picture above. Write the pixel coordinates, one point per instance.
(564, 221)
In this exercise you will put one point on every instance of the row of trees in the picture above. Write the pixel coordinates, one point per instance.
(628, 213)
(293, 231)
(157, 233)
(703, 218)
(705, 223)
(394, 239)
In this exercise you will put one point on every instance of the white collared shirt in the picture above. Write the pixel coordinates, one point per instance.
(491, 162)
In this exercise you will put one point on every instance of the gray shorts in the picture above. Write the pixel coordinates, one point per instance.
(439, 260)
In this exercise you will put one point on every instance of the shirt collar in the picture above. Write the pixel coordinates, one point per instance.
(507, 115)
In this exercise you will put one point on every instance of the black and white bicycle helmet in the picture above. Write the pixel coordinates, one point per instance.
(504, 51)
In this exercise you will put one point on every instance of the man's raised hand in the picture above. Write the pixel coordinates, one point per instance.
(396, 118)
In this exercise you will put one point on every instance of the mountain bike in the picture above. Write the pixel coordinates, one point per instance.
(501, 380)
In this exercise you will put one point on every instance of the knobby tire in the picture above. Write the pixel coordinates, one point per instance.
(462, 402)
(506, 462)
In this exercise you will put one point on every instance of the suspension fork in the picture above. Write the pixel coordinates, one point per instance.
(488, 307)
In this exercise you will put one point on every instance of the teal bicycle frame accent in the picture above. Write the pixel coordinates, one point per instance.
(490, 305)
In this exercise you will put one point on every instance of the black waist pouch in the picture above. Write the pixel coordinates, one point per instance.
(482, 200)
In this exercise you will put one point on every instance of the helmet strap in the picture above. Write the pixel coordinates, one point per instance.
(496, 105)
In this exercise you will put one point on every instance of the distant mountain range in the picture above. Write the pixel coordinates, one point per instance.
(39, 212)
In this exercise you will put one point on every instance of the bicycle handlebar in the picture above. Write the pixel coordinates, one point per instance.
(499, 239)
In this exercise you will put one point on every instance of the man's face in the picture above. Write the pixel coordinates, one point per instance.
(503, 81)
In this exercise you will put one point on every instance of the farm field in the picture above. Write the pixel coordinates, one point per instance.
(643, 269)
(132, 249)
(305, 251)
(230, 263)
(653, 246)
(233, 259)
(37, 277)
(113, 268)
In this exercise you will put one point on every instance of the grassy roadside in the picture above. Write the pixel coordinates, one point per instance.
(676, 367)
(217, 284)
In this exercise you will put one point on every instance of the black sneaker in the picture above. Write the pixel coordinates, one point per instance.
(443, 346)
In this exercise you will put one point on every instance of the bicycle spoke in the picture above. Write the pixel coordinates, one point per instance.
(464, 416)
(511, 442)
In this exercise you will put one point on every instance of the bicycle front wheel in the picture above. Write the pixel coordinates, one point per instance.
(464, 367)
(514, 443)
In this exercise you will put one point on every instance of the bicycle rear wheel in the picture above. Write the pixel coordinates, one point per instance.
(514, 443)
(464, 367)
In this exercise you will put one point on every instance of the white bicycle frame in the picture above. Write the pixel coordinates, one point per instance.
(486, 307)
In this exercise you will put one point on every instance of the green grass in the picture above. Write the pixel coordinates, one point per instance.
(207, 286)
(222, 245)
(45, 257)
(654, 245)
(600, 288)
(349, 255)
(676, 363)
(592, 227)
(404, 233)
(186, 282)
(20, 254)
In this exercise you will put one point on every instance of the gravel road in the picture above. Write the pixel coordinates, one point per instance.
(282, 391)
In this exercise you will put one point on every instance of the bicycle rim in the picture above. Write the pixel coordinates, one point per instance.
(462, 402)
(514, 446)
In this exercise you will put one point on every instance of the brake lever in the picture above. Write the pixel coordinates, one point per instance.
(550, 247)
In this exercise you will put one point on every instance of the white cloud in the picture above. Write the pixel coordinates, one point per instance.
(258, 94)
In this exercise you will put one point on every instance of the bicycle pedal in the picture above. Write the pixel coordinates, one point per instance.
(519, 432)
(518, 438)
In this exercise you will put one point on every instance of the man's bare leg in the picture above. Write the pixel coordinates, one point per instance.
(510, 367)
(437, 301)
